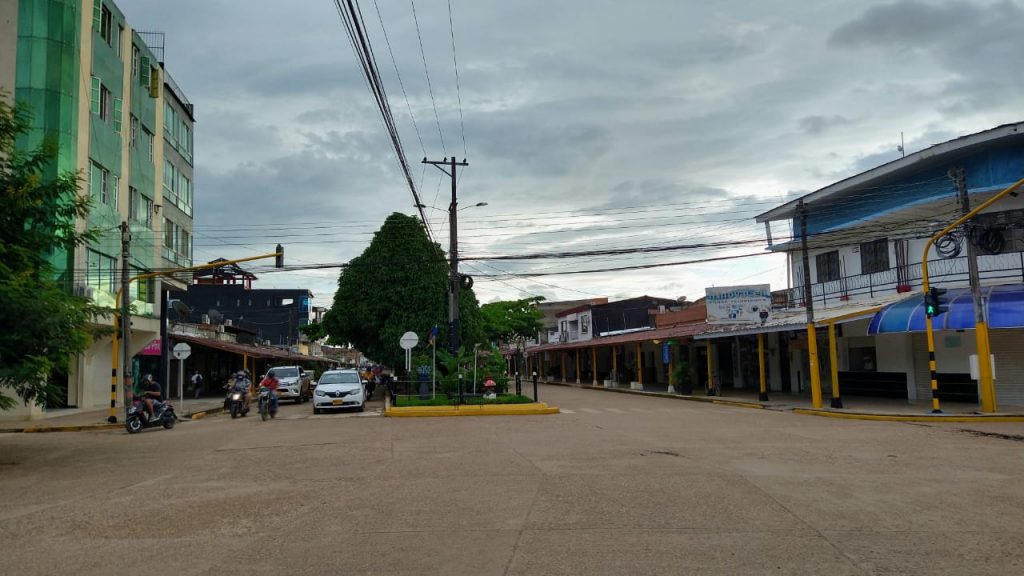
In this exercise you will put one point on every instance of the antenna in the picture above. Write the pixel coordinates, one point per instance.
(902, 150)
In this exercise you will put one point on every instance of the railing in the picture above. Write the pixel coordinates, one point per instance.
(993, 269)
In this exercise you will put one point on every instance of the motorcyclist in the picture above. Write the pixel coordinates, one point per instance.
(241, 383)
(271, 383)
(151, 394)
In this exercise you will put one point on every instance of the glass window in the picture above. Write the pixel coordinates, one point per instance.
(135, 61)
(94, 99)
(106, 25)
(105, 103)
(133, 124)
(118, 40)
(828, 266)
(149, 141)
(874, 256)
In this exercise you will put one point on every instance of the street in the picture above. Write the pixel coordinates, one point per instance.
(616, 484)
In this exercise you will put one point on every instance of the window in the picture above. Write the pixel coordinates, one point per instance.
(874, 256)
(134, 131)
(828, 266)
(106, 25)
(117, 115)
(136, 54)
(144, 71)
(101, 185)
(120, 36)
(101, 272)
(115, 182)
(148, 137)
(585, 323)
(105, 103)
(140, 208)
(94, 98)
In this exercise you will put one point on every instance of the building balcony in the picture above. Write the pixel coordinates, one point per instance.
(1004, 268)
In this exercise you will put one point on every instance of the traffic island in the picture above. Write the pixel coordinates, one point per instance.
(530, 409)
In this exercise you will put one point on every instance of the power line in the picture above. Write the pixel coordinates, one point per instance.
(458, 88)
(427, 73)
(400, 83)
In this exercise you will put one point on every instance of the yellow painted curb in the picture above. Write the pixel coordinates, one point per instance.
(198, 415)
(532, 409)
(910, 417)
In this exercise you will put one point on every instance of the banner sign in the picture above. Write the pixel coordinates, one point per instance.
(739, 304)
(151, 349)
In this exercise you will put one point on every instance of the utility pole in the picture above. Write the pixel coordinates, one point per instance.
(986, 387)
(126, 319)
(453, 253)
(812, 337)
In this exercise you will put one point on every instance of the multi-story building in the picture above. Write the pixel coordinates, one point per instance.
(100, 89)
(865, 242)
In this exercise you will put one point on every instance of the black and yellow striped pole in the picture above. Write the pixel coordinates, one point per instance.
(981, 329)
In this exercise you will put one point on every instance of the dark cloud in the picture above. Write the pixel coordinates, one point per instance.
(906, 24)
(817, 125)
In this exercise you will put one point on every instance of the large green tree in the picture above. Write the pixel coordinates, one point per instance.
(42, 325)
(510, 320)
(398, 284)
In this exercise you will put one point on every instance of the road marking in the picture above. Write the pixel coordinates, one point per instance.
(564, 411)
(590, 410)
(643, 410)
(615, 410)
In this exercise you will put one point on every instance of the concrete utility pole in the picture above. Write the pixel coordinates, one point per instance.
(453, 253)
(812, 337)
(126, 318)
(986, 386)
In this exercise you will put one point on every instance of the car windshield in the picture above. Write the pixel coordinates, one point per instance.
(286, 372)
(340, 378)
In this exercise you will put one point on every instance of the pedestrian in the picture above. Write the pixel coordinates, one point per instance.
(197, 383)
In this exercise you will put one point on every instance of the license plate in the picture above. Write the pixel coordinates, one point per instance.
(337, 402)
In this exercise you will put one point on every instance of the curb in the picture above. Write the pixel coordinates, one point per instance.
(688, 397)
(910, 417)
(532, 409)
(74, 428)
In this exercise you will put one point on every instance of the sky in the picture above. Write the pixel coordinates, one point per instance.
(587, 125)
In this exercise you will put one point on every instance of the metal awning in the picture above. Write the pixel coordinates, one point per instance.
(1004, 308)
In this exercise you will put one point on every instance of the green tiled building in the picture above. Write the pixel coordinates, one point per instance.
(100, 88)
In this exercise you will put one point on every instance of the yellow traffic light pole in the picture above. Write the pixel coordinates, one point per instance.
(988, 392)
(113, 371)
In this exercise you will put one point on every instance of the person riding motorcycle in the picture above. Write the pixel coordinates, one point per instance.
(271, 383)
(242, 384)
(151, 394)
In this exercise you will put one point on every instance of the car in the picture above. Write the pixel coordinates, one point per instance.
(293, 383)
(339, 389)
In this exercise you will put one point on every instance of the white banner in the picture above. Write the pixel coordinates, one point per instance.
(739, 304)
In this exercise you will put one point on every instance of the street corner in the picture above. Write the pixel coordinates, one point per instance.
(531, 409)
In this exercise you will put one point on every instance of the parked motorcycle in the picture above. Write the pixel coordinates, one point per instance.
(139, 418)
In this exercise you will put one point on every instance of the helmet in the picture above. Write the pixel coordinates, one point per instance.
(270, 374)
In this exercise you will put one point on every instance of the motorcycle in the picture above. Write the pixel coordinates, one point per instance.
(265, 403)
(139, 418)
(239, 407)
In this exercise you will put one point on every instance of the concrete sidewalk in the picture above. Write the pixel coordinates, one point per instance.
(855, 407)
(74, 419)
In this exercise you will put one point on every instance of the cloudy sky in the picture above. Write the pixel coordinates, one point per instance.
(587, 124)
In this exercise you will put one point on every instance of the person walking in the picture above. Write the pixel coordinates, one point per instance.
(197, 383)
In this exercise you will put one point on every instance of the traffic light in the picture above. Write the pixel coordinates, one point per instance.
(935, 302)
(279, 259)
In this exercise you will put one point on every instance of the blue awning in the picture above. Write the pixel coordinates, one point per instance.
(1004, 309)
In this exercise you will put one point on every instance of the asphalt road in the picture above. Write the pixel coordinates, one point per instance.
(618, 484)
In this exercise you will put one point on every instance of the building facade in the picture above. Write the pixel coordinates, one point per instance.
(91, 82)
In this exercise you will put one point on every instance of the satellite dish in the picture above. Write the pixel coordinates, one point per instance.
(215, 316)
(181, 309)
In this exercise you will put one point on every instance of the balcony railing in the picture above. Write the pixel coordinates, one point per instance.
(992, 269)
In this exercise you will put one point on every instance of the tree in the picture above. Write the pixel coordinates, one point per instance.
(398, 284)
(44, 325)
(314, 331)
(511, 320)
